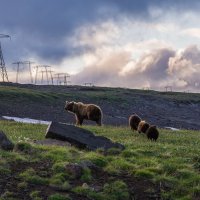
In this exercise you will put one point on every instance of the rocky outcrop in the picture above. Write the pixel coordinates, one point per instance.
(79, 137)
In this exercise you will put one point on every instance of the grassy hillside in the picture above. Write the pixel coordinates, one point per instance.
(39, 93)
(179, 110)
(167, 169)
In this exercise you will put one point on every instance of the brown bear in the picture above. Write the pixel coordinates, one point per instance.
(152, 133)
(134, 120)
(85, 111)
(142, 127)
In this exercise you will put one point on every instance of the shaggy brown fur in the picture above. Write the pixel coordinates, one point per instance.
(85, 111)
(152, 133)
(134, 120)
(142, 127)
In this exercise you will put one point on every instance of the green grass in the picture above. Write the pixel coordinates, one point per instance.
(172, 162)
(111, 95)
(18, 132)
(16, 94)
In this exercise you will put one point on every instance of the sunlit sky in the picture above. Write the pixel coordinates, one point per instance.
(115, 43)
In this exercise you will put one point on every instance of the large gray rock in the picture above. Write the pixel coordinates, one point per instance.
(5, 143)
(79, 137)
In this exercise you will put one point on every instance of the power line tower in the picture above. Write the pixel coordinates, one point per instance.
(47, 77)
(57, 77)
(168, 88)
(3, 70)
(18, 69)
(89, 84)
(51, 76)
(18, 63)
(62, 78)
(30, 69)
(47, 71)
(66, 76)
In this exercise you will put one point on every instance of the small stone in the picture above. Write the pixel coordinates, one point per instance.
(5, 143)
(85, 186)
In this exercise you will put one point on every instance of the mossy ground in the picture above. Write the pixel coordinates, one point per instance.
(166, 169)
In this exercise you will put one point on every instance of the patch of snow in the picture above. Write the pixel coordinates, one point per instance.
(171, 128)
(26, 120)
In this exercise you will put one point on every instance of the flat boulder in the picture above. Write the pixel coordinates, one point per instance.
(5, 143)
(79, 137)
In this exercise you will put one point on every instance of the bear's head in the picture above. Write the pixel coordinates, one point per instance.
(69, 106)
(153, 128)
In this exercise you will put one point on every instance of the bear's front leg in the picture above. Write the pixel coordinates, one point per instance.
(79, 120)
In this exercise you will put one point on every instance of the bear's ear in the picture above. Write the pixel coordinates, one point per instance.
(69, 102)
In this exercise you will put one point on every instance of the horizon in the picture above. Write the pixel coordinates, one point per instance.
(164, 90)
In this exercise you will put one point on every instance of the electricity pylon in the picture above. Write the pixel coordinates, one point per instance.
(30, 69)
(62, 78)
(3, 70)
(46, 72)
(18, 63)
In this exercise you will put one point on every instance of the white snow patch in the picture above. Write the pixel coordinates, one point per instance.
(171, 128)
(27, 120)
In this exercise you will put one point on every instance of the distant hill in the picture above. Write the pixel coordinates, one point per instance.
(174, 109)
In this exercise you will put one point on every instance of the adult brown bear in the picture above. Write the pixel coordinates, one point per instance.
(142, 127)
(134, 120)
(85, 111)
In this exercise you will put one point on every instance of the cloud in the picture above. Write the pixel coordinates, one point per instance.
(156, 69)
(104, 70)
(40, 28)
(116, 63)
(153, 65)
(194, 32)
(185, 67)
(109, 42)
(95, 35)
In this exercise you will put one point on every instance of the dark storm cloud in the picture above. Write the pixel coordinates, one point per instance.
(41, 27)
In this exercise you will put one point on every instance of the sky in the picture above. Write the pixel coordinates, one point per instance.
(129, 43)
